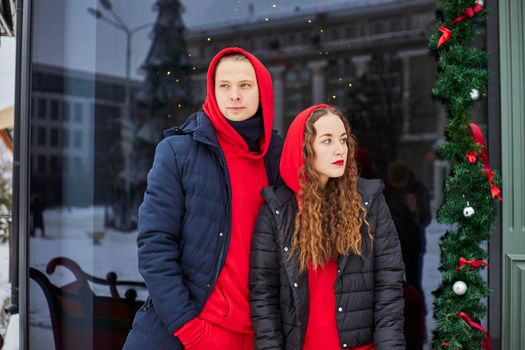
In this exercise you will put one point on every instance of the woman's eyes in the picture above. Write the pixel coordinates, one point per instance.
(246, 85)
(329, 141)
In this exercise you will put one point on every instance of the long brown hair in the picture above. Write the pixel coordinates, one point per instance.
(328, 221)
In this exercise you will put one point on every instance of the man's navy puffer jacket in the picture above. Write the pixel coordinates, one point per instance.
(184, 229)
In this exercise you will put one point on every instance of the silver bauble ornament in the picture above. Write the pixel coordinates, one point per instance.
(468, 212)
(474, 94)
(459, 288)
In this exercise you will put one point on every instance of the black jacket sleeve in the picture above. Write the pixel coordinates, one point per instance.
(388, 284)
(160, 224)
(265, 284)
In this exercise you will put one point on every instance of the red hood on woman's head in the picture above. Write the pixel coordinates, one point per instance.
(230, 138)
(292, 156)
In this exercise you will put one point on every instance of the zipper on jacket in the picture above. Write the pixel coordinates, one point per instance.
(226, 243)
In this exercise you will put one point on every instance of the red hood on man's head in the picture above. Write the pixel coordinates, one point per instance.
(230, 138)
(292, 156)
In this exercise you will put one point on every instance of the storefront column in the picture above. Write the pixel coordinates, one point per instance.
(512, 73)
(318, 81)
(277, 73)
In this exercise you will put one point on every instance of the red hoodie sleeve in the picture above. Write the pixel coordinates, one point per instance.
(190, 332)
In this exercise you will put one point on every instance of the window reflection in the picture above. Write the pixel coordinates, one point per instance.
(101, 99)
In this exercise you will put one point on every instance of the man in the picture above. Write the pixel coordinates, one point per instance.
(200, 206)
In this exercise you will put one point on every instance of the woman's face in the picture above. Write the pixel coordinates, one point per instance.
(236, 89)
(330, 147)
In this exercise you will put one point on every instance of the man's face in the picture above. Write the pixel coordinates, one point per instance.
(236, 89)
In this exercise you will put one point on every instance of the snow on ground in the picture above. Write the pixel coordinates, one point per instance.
(12, 339)
(5, 287)
(431, 275)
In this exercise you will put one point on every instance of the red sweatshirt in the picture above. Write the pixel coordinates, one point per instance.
(321, 332)
(228, 305)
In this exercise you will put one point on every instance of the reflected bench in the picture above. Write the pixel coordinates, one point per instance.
(82, 320)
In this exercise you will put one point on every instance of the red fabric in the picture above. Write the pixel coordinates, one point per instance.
(203, 335)
(473, 263)
(228, 305)
(477, 135)
(486, 341)
(446, 34)
(322, 332)
(292, 156)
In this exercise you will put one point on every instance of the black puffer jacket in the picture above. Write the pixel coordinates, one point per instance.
(368, 289)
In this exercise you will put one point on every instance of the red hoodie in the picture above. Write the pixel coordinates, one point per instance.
(228, 305)
(321, 332)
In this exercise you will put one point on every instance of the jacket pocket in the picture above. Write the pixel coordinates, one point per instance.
(227, 308)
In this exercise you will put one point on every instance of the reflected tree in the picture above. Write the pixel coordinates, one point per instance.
(375, 110)
(163, 100)
(165, 95)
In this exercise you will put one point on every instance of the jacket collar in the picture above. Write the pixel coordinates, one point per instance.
(197, 125)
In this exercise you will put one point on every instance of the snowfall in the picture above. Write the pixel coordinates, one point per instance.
(69, 233)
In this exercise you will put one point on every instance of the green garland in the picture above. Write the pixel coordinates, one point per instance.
(462, 78)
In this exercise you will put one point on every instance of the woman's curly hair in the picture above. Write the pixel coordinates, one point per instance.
(328, 221)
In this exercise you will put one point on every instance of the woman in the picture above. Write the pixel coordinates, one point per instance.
(326, 270)
(197, 218)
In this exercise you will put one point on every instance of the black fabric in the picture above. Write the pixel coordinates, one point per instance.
(250, 130)
(185, 207)
(369, 288)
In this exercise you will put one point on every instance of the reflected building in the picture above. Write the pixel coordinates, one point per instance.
(319, 56)
(76, 137)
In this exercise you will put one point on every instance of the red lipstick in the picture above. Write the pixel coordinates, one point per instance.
(339, 163)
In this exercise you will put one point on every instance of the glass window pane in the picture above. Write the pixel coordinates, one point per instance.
(106, 93)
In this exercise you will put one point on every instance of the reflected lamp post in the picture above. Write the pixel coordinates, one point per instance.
(126, 120)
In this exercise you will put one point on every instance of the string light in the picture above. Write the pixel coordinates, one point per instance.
(309, 21)
(168, 73)
(209, 38)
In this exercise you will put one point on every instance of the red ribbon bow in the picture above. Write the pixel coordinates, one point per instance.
(486, 342)
(477, 135)
(473, 263)
(468, 13)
